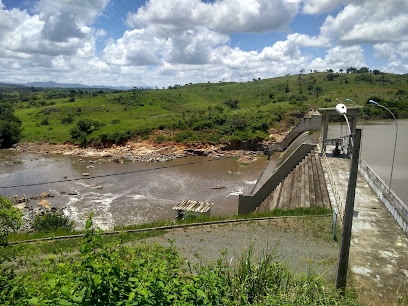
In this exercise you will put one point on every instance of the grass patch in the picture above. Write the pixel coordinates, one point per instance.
(300, 211)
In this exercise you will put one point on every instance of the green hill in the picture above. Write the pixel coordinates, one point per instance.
(210, 112)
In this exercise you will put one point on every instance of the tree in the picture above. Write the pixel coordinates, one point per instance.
(376, 72)
(10, 219)
(317, 91)
(341, 70)
(287, 86)
(364, 70)
(10, 126)
(351, 70)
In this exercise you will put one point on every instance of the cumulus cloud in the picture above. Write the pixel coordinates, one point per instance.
(340, 58)
(322, 6)
(135, 48)
(180, 41)
(223, 16)
(370, 21)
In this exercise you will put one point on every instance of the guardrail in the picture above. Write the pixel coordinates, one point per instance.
(339, 204)
(394, 204)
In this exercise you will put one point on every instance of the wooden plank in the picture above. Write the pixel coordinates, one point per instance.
(193, 206)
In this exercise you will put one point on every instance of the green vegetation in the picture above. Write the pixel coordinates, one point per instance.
(52, 221)
(210, 112)
(10, 220)
(10, 125)
(104, 274)
(53, 225)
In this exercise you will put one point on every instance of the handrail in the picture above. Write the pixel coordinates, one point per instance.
(336, 193)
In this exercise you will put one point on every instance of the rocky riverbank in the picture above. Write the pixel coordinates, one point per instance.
(29, 210)
(147, 151)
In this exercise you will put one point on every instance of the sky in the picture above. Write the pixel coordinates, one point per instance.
(166, 42)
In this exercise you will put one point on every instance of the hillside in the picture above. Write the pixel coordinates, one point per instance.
(208, 112)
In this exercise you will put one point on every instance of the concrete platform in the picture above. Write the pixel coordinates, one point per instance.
(378, 263)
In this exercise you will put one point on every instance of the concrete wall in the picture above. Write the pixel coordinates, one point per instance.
(248, 203)
(393, 203)
(309, 123)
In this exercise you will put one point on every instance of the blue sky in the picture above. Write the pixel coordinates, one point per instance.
(166, 42)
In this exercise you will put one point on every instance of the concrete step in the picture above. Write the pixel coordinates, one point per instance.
(312, 197)
(316, 182)
(323, 185)
(304, 186)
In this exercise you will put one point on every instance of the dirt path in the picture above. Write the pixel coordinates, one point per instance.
(303, 242)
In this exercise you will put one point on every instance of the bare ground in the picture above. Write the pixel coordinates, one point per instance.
(302, 242)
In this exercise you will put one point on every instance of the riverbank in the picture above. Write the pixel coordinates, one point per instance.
(145, 150)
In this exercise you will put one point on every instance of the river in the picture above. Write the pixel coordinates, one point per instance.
(148, 194)
(145, 194)
(378, 138)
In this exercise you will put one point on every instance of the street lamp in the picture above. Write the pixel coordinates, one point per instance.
(362, 130)
(342, 110)
(396, 135)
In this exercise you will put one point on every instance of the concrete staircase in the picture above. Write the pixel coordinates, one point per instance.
(305, 186)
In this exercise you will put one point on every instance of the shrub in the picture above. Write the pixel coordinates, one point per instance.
(10, 219)
(115, 121)
(233, 104)
(52, 221)
(67, 120)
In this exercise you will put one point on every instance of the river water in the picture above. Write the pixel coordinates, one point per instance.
(378, 138)
(145, 194)
(148, 194)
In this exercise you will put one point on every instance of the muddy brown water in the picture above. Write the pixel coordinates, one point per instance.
(146, 194)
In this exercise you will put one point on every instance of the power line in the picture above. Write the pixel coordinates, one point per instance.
(112, 174)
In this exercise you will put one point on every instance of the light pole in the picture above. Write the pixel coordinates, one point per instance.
(396, 135)
(342, 110)
(362, 130)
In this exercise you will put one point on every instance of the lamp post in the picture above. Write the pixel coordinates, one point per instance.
(395, 143)
(362, 130)
(342, 110)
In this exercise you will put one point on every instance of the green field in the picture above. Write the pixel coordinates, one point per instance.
(208, 112)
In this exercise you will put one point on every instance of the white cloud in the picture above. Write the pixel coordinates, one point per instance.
(135, 48)
(308, 41)
(322, 6)
(180, 41)
(394, 54)
(340, 58)
(369, 22)
(223, 16)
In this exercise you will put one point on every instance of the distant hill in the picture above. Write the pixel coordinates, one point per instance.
(207, 112)
(52, 84)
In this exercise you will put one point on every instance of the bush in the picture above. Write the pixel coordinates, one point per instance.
(115, 121)
(45, 122)
(52, 221)
(10, 126)
(67, 120)
(10, 219)
(233, 104)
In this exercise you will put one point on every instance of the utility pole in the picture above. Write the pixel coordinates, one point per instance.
(341, 277)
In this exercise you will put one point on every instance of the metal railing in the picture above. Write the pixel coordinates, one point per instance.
(335, 190)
